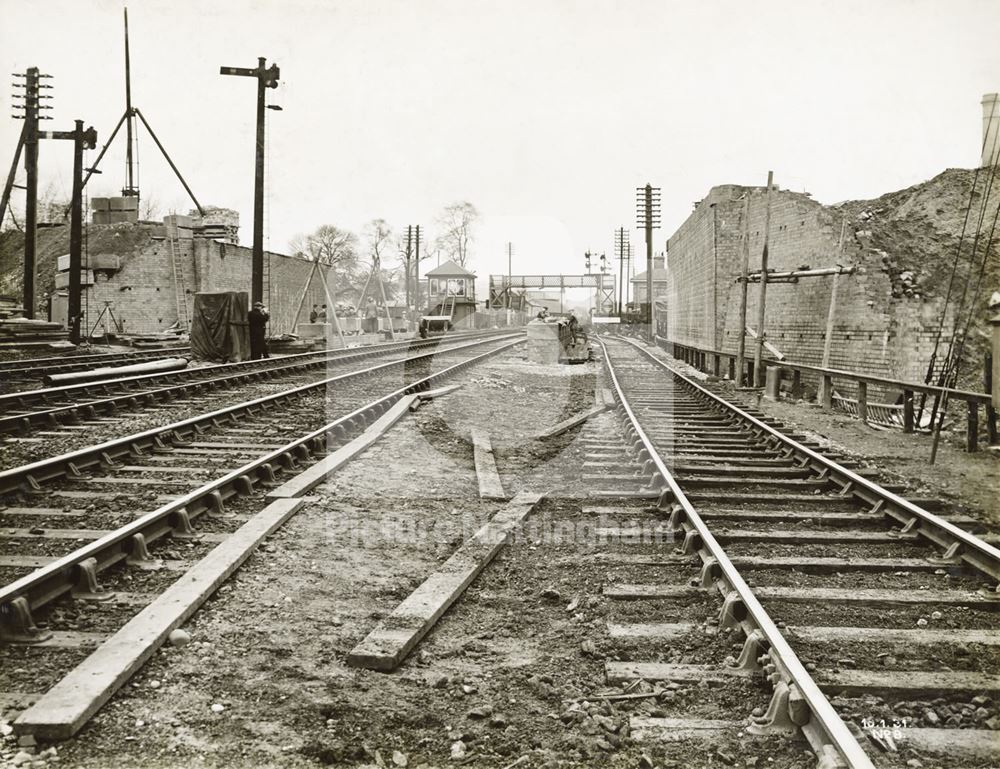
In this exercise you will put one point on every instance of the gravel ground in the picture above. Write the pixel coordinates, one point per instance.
(264, 682)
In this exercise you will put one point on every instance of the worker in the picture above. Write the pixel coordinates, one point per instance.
(314, 314)
(258, 318)
(321, 315)
(574, 325)
(371, 317)
(543, 314)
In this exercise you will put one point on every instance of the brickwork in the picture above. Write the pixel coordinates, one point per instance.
(874, 331)
(142, 293)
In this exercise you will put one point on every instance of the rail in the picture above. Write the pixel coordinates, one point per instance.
(826, 719)
(717, 361)
(46, 583)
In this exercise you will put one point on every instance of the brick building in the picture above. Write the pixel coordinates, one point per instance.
(149, 273)
(902, 245)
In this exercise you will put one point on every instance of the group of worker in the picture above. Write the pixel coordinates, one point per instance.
(369, 322)
(571, 321)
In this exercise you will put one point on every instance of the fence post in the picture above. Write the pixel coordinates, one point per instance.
(972, 428)
(826, 392)
(772, 383)
(863, 401)
(907, 411)
(796, 383)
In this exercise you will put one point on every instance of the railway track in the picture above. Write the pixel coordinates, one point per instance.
(875, 623)
(85, 404)
(77, 552)
(34, 370)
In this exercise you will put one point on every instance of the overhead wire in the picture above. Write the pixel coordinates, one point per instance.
(959, 336)
(929, 376)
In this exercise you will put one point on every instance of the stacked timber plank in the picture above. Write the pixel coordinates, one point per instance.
(18, 332)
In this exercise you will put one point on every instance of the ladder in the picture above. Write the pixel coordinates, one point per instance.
(180, 295)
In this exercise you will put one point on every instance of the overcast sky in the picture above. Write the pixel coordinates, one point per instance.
(545, 114)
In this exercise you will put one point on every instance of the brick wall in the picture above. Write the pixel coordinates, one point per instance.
(873, 331)
(142, 293)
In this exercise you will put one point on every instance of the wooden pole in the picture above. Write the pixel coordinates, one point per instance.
(758, 375)
(302, 297)
(831, 313)
(385, 304)
(333, 310)
(741, 340)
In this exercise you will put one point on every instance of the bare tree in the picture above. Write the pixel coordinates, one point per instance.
(456, 223)
(150, 209)
(378, 234)
(328, 245)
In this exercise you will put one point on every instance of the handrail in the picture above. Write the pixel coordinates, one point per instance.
(834, 728)
(843, 374)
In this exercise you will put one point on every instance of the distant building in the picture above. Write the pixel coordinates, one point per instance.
(451, 290)
(659, 282)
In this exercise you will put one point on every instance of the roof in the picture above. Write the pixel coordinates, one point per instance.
(659, 275)
(449, 270)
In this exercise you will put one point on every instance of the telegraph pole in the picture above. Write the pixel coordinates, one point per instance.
(416, 269)
(744, 283)
(648, 214)
(82, 139)
(267, 77)
(31, 107)
(758, 375)
(510, 277)
(621, 243)
(407, 257)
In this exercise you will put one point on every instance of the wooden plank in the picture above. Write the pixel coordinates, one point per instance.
(45, 512)
(316, 474)
(795, 536)
(954, 743)
(385, 647)
(621, 672)
(908, 683)
(646, 728)
(660, 631)
(490, 486)
(566, 424)
(818, 595)
(67, 706)
(908, 636)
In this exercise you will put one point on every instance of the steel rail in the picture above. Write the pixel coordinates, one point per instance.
(28, 477)
(834, 730)
(957, 542)
(46, 583)
(68, 362)
(276, 366)
(25, 397)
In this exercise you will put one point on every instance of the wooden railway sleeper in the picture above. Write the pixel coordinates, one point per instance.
(86, 587)
(17, 625)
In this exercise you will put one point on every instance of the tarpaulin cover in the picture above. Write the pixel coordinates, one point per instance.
(219, 329)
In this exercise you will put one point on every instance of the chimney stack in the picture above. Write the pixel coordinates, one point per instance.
(991, 129)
